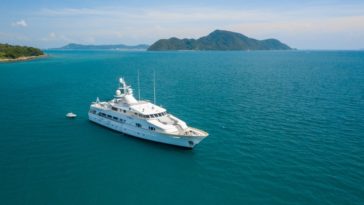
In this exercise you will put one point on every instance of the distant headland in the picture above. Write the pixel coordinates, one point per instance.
(74, 46)
(10, 53)
(218, 40)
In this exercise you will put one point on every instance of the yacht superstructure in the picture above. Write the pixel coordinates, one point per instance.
(143, 119)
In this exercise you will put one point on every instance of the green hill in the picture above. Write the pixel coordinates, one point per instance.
(218, 40)
(13, 52)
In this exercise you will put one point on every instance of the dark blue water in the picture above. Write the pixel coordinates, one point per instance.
(285, 128)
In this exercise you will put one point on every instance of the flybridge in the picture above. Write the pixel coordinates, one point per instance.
(125, 90)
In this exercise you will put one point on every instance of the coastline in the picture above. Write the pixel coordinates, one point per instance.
(23, 58)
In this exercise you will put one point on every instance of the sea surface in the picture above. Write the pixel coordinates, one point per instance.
(286, 127)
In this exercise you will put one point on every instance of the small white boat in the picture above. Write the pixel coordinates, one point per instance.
(71, 115)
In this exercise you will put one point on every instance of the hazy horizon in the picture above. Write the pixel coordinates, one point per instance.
(316, 25)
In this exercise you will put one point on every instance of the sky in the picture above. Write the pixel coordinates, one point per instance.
(320, 24)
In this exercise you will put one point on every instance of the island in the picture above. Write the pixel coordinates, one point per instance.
(218, 40)
(74, 46)
(9, 53)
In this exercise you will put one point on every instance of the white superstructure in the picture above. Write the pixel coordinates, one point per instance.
(143, 119)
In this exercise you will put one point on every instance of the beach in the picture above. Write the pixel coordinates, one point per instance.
(23, 58)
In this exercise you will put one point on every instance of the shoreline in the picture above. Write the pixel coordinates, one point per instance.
(23, 58)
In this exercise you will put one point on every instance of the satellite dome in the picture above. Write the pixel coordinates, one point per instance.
(118, 92)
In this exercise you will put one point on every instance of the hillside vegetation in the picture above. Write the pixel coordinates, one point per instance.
(218, 40)
(13, 52)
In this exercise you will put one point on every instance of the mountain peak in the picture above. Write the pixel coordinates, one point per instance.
(219, 40)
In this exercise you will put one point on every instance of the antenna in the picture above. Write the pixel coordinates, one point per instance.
(154, 85)
(138, 85)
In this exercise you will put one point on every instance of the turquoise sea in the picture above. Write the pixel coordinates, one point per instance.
(286, 127)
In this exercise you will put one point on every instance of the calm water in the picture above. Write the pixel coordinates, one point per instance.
(285, 128)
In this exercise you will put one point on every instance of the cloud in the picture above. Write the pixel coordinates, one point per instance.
(195, 20)
(190, 14)
(20, 23)
(55, 37)
(52, 36)
(205, 13)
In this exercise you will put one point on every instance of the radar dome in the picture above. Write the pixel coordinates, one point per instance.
(118, 92)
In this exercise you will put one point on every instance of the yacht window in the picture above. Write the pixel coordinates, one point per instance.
(136, 113)
(114, 108)
(115, 118)
(138, 125)
(124, 111)
(109, 116)
(160, 114)
(151, 128)
(155, 115)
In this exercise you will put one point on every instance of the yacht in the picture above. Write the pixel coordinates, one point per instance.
(143, 119)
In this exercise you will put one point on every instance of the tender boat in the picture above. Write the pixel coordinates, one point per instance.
(143, 119)
(71, 115)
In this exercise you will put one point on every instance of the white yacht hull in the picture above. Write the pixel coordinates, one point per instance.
(177, 140)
